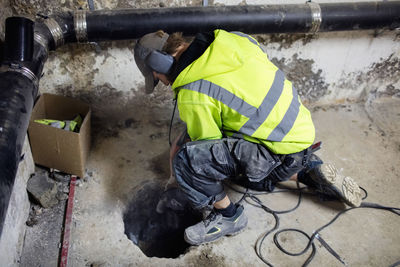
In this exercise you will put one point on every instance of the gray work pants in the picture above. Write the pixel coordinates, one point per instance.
(201, 166)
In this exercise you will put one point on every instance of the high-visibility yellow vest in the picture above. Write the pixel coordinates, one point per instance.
(233, 89)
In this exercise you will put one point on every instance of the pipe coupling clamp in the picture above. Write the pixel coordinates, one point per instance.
(23, 70)
(315, 16)
(80, 26)
(41, 40)
(55, 31)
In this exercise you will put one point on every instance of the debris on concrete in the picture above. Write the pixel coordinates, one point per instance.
(64, 188)
(42, 189)
(43, 237)
(34, 213)
(79, 183)
(61, 196)
(60, 177)
(96, 264)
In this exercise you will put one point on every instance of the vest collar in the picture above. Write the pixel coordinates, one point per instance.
(200, 44)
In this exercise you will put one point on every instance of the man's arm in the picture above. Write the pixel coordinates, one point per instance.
(175, 146)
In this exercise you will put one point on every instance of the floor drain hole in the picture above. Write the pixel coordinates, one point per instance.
(159, 235)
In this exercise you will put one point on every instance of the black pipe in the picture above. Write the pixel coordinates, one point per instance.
(17, 93)
(1, 50)
(134, 23)
(66, 22)
(105, 25)
(18, 90)
(127, 24)
(19, 39)
(360, 16)
(40, 51)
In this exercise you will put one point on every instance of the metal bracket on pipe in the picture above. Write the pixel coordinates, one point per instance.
(41, 40)
(23, 70)
(55, 31)
(316, 16)
(80, 26)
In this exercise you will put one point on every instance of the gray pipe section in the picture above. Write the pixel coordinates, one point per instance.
(19, 79)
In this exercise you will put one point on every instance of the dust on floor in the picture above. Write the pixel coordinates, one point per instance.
(119, 165)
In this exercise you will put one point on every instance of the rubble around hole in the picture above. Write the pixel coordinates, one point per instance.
(47, 190)
(42, 189)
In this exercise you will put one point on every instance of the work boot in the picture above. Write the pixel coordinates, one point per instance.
(216, 226)
(327, 181)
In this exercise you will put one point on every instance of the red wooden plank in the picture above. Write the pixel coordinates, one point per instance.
(67, 223)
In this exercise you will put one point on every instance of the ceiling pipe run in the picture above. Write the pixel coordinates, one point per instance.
(22, 67)
(311, 17)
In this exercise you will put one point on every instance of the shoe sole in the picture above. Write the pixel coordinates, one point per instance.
(238, 232)
(193, 243)
(347, 189)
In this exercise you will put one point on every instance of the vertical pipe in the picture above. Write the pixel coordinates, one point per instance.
(18, 89)
(17, 94)
(19, 39)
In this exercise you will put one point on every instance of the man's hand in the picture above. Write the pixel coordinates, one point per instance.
(172, 197)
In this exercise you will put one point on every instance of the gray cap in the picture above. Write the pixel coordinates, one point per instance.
(143, 47)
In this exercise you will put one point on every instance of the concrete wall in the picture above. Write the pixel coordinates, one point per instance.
(5, 11)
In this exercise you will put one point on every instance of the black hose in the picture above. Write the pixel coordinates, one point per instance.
(255, 201)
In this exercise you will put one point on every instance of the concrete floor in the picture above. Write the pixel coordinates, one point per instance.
(367, 151)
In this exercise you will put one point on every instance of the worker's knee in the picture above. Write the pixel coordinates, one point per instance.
(201, 190)
(291, 165)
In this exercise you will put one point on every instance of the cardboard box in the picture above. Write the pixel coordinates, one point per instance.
(57, 148)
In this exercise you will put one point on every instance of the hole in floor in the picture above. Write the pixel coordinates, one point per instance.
(159, 234)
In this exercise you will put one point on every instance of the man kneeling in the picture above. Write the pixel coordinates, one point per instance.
(243, 118)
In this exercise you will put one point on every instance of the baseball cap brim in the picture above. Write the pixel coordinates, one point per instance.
(149, 80)
(144, 46)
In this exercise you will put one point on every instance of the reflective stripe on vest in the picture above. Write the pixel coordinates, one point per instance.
(222, 95)
(248, 37)
(257, 116)
(288, 120)
(266, 106)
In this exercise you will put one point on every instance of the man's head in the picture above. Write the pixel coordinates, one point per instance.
(155, 55)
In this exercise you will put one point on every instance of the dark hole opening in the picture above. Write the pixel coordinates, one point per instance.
(159, 234)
